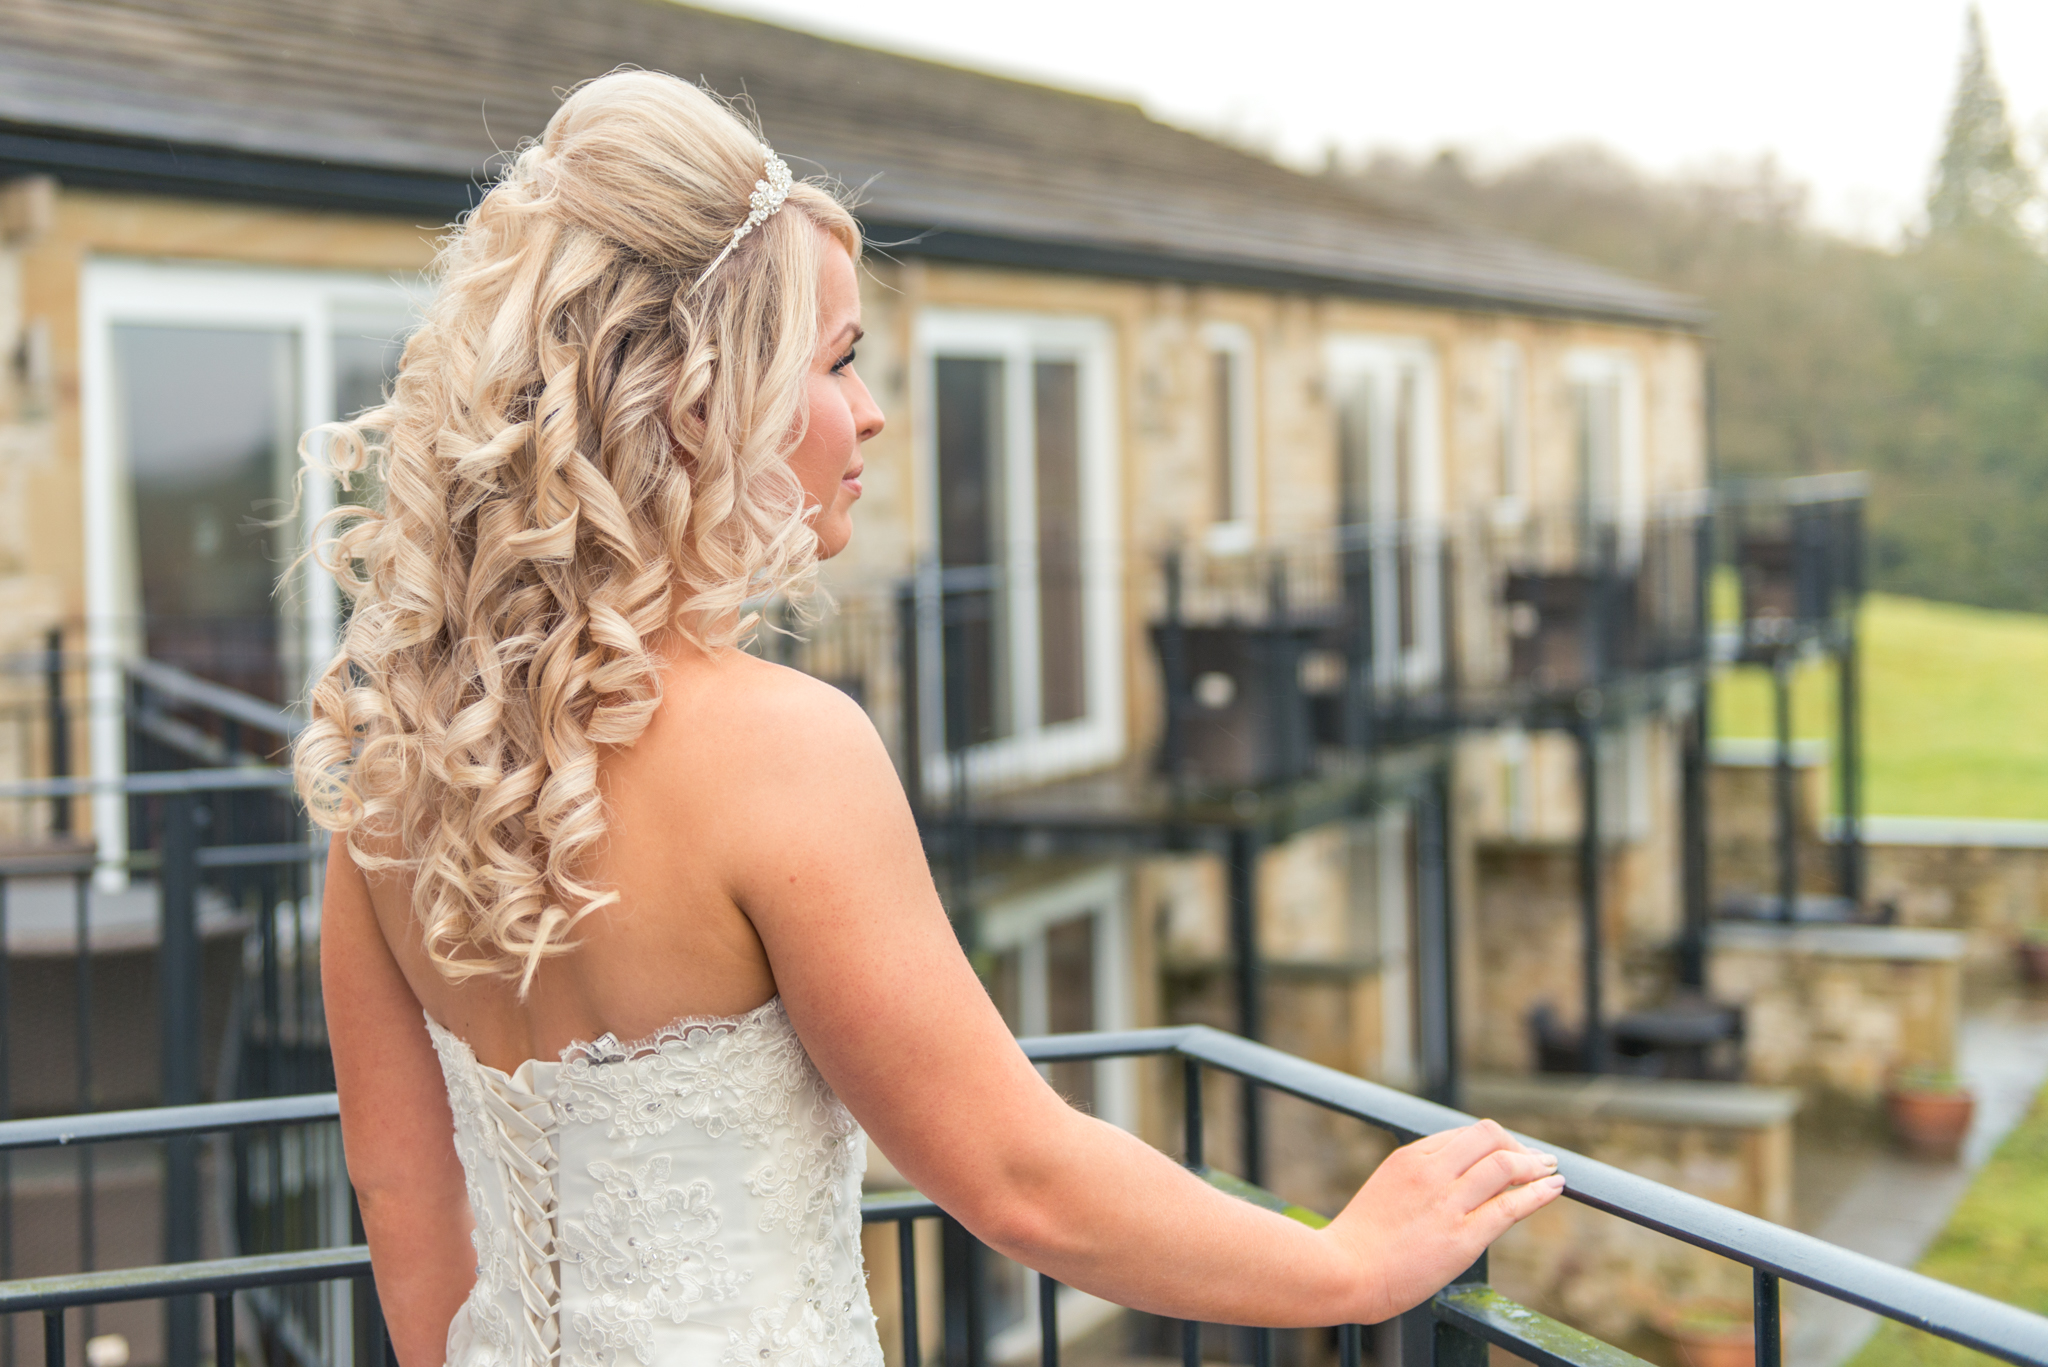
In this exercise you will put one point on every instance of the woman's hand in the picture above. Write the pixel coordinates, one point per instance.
(1430, 1210)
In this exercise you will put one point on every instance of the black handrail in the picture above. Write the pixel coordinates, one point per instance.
(1773, 1251)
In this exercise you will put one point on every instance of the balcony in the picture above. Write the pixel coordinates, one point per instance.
(1456, 1328)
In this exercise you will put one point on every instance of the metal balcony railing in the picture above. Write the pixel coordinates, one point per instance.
(1453, 1329)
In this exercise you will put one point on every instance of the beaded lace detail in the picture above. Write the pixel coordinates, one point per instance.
(690, 1197)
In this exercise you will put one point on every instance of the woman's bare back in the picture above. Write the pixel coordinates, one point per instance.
(677, 942)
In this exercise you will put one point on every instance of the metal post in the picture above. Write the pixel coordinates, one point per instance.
(1768, 1341)
(1849, 863)
(224, 1328)
(910, 695)
(1436, 966)
(906, 1257)
(1695, 894)
(1782, 787)
(966, 1324)
(7, 1113)
(1191, 1100)
(1173, 668)
(178, 966)
(1593, 1036)
(1048, 1322)
(1358, 674)
(59, 722)
(88, 1252)
(1454, 1347)
(1244, 938)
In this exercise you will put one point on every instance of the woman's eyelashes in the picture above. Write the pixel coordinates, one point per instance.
(844, 361)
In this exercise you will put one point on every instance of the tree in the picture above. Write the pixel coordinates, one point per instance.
(1980, 181)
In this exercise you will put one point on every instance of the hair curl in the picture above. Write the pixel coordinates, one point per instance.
(583, 457)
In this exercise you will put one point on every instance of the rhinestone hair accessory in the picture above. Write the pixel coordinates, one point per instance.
(769, 193)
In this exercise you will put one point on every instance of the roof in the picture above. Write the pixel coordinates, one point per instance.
(399, 106)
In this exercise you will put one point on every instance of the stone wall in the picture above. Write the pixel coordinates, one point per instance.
(1742, 823)
(1840, 1009)
(1727, 1142)
(1987, 879)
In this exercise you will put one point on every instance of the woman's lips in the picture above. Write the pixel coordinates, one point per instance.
(850, 481)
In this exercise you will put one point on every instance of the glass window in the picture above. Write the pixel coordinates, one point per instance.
(196, 382)
(1025, 629)
(1062, 633)
(1383, 391)
(208, 425)
(972, 549)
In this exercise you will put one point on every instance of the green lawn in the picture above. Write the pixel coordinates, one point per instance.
(1996, 1243)
(1953, 721)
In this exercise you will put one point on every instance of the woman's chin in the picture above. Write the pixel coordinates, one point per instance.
(832, 538)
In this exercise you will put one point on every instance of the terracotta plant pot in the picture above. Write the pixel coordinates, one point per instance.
(1931, 1124)
(1711, 1333)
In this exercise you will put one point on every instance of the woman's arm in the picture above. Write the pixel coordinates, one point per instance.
(829, 868)
(395, 1125)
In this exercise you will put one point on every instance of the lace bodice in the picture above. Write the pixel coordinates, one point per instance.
(693, 1198)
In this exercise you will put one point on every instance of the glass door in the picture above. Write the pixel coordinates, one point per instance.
(1018, 461)
(196, 383)
(1389, 499)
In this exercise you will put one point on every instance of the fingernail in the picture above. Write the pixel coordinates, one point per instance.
(1550, 1159)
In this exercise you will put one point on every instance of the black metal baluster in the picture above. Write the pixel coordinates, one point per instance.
(1349, 1339)
(1048, 1322)
(1262, 1348)
(1191, 1070)
(1768, 1343)
(59, 723)
(224, 1329)
(88, 1253)
(966, 1279)
(6, 1113)
(906, 1252)
(53, 1338)
(178, 992)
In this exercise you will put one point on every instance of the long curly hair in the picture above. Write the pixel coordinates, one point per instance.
(583, 461)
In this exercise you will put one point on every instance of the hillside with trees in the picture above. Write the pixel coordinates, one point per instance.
(1926, 365)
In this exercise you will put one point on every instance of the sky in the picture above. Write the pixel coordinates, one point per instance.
(1849, 96)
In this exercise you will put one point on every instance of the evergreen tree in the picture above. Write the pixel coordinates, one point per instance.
(1980, 181)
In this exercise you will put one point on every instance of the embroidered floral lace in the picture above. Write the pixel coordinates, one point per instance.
(693, 1198)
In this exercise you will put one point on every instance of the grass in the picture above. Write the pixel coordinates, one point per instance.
(1995, 1242)
(1952, 722)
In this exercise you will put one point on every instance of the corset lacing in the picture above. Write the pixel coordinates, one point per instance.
(524, 1130)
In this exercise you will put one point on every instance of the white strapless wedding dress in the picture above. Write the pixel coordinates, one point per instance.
(690, 1199)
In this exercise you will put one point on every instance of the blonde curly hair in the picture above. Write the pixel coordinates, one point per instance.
(583, 460)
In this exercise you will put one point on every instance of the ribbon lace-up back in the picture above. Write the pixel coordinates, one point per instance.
(690, 1198)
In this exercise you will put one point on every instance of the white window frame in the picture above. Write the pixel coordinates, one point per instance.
(1630, 503)
(1020, 923)
(116, 291)
(1380, 359)
(1237, 535)
(1034, 751)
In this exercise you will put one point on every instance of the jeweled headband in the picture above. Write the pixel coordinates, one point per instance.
(768, 195)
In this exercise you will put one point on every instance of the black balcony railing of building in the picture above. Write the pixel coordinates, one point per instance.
(1455, 1328)
(1797, 551)
(1290, 684)
(171, 965)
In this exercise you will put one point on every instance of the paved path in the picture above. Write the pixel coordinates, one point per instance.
(1898, 1205)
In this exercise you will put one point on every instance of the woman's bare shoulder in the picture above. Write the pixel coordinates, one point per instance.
(736, 715)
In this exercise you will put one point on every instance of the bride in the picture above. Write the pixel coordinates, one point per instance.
(628, 934)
